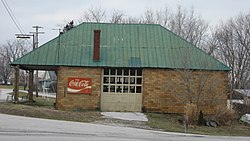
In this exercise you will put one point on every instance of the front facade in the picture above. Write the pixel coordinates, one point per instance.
(150, 90)
(129, 67)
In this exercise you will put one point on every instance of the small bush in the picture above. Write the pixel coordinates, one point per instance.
(224, 115)
(241, 109)
(201, 120)
(190, 110)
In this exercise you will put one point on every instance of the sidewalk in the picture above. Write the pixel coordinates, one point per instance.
(4, 94)
(135, 116)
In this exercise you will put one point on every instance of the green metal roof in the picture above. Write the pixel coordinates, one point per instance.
(122, 45)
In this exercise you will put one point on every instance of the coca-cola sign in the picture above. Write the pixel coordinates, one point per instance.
(79, 85)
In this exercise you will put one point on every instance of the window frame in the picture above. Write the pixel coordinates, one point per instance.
(118, 81)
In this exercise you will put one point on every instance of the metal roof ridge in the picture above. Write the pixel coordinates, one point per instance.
(116, 23)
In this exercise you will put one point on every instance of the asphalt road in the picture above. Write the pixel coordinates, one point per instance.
(14, 128)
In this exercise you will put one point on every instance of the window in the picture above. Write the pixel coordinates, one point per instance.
(122, 80)
(105, 88)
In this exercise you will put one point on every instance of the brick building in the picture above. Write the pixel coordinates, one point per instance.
(129, 67)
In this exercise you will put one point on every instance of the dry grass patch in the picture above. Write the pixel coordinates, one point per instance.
(170, 123)
(43, 108)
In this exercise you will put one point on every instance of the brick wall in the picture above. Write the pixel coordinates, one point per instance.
(67, 101)
(163, 91)
(168, 91)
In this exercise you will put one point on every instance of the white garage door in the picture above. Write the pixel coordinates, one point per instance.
(121, 89)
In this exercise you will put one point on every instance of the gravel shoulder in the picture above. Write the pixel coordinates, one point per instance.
(123, 123)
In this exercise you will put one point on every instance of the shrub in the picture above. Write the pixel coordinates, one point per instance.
(241, 109)
(190, 110)
(201, 120)
(224, 115)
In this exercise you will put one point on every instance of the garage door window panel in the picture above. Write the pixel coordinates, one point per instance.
(118, 80)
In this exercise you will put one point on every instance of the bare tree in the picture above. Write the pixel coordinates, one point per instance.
(233, 39)
(96, 14)
(5, 70)
(132, 20)
(185, 24)
(211, 45)
(199, 88)
(9, 52)
(117, 16)
(196, 85)
(149, 16)
(182, 22)
(162, 16)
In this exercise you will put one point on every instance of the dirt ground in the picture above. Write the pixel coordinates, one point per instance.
(123, 123)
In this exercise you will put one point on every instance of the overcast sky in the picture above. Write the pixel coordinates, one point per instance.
(51, 13)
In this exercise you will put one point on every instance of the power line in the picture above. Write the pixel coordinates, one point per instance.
(12, 16)
(55, 29)
(49, 28)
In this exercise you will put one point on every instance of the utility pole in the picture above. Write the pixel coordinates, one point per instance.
(26, 36)
(36, 46)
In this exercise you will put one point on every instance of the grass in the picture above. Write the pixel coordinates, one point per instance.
(10, 87)
(44, 108)
(169, 122)
(166, 122)
(41, 102)
(21, 94)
